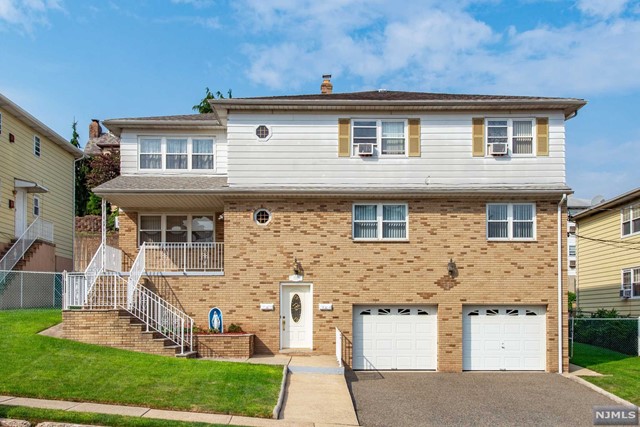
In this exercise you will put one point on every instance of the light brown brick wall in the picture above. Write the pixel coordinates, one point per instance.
(108, 328)
(343, 272)
(234, 346)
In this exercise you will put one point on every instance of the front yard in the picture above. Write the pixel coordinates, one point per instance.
(44, 367)
(622, 372)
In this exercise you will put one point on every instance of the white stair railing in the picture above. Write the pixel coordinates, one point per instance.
(39, 229)
(137, 270)
(339, 347)
(157, 314)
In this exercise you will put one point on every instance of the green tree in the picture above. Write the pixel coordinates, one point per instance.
(82, 168)
(204, 107)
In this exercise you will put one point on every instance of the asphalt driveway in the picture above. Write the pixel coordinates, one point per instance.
(471, 398)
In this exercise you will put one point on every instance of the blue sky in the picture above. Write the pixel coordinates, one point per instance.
(84, 59)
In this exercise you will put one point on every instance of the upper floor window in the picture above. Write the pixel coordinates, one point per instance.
(36, 145)
(36, 206)
(0, 123)
(511, 221)
(631, 282)
(386, 137)
(515, 135)
(572, 250)
(631, 220)
(380, 221)
(176, 153)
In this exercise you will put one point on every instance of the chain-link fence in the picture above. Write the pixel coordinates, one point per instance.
(30, 289)
(618, 334)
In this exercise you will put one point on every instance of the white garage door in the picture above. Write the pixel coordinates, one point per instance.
(394, 337)
(504, 338)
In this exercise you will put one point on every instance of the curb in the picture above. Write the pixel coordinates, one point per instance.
(599, 390)
(278, 407)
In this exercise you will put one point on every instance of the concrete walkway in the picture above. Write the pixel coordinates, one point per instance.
(579, 371)
(315, 395)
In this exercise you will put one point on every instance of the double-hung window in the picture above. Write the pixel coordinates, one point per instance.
(176, 153)
(388, 137)
(36, 146)
(380, 221)
(511, 221)
(516, 133)
(631, 281)
(631, 220)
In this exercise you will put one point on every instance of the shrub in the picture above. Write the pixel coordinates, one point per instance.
(233, 328)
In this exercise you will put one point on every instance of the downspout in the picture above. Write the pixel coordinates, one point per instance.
(560, 340)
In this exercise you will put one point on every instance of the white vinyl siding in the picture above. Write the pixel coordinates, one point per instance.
(517, 133)
(302, 153)
(388, 136)
(631, 281)
(511, 221)
(176, 228)
(380, 221)
(631, 220)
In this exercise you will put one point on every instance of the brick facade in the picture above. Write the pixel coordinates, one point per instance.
(223, 345)
(318, 233)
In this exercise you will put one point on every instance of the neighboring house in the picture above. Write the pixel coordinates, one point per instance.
(36, 193)
(100, 142)
(608, 237)
(418, 230)
(574, 206)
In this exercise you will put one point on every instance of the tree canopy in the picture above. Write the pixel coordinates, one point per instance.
(204, 107)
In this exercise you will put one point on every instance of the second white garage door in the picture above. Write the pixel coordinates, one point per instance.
(395, 337)
(504, 338)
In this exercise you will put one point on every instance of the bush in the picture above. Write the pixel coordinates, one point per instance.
(602, 330)
(233, 328)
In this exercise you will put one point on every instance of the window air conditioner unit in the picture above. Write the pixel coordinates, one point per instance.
(365, 150)
(572, 229)
(498, 149)
(625, 293)
(572, 263)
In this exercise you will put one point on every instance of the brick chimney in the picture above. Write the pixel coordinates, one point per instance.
(95, 130)
(326, 87)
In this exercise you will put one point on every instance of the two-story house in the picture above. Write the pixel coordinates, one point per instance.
(417, 230)
(608, 236)
(36, 193)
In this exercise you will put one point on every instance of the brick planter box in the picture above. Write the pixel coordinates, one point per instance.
(237, 346)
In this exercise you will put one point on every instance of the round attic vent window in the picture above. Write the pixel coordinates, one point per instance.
(262, 132)
(262, 216)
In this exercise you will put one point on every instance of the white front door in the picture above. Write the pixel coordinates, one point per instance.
(496, 338)
(395, 337)
(21, 211)
(296, 315)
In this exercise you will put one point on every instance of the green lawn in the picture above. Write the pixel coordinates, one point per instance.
(44, 367)
(623, 371)
(35, 416)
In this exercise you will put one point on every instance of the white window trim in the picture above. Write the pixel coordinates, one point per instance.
(163, 154)
(510, 121)
(378, 144)
(379, 222)
(510, 237)
(37, 143)
(163, 224)
(635, 233)
(265, 139)
(36, 203)
(630, 269)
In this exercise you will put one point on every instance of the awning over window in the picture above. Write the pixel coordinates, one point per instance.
(30, 186)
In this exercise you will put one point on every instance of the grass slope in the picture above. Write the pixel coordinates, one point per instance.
(623, 371)
(45, 367)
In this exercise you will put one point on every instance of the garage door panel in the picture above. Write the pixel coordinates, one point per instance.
(504, 338)
(401, 338)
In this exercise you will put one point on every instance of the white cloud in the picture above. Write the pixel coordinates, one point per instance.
(430, 45)
(602, 8)
(27, 14)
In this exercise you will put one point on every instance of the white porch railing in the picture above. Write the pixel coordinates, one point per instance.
(137, 270)
(39, 229)
(339, 347)
(163, 317)
(108, 291)
(112, 258)
(184, 257)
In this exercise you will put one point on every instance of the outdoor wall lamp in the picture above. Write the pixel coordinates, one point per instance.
(452, 269)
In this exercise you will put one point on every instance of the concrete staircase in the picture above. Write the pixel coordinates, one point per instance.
(119, 329)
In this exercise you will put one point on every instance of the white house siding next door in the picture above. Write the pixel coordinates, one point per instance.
(505, 338)
(395, 337)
